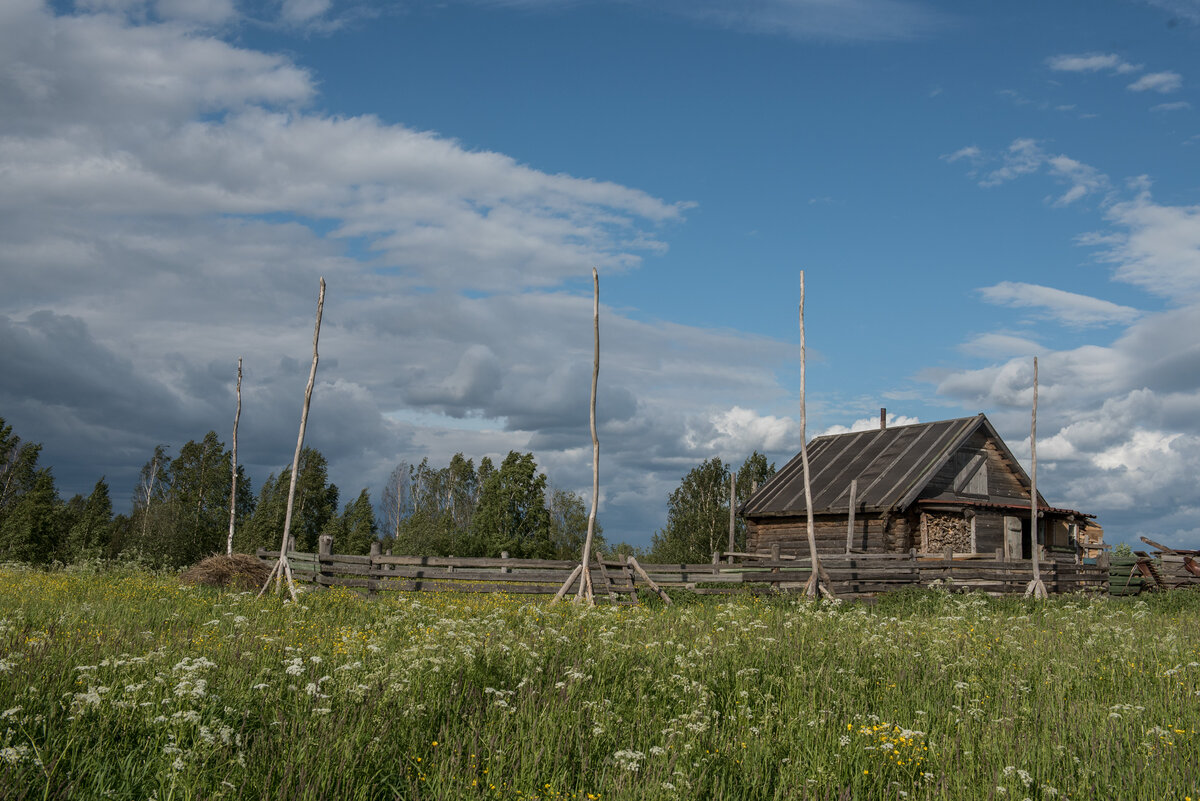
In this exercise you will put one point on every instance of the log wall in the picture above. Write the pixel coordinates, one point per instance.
(872, 534)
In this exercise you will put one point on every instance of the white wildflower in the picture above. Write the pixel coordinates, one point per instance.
(629, 760)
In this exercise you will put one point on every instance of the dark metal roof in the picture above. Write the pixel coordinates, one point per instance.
(892, 466)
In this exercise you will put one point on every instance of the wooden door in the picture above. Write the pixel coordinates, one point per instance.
(1012, 537)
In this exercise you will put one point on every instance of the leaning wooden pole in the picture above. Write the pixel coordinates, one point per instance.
(233, 487)
(1036, 588)
(585, 591)
(815, 586)
(283, 567)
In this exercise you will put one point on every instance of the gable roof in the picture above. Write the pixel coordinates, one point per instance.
(892, 466)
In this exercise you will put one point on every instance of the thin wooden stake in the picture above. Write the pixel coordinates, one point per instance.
(632, 562)
(567, 584)
(233, 488)
(284, 567)
(1036, 588)
(585, 592)
(815, 585)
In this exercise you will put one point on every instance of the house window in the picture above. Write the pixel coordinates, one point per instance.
(970, 472)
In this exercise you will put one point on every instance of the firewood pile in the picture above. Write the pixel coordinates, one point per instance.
(946, 531)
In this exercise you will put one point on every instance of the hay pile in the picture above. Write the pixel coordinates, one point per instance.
(240, 571)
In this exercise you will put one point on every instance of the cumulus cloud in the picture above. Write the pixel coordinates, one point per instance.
(1155, 246)
(1068, 307)
(1119, 423)
(1162, 82)
(739, 430)
(169, 202)
(870, 424)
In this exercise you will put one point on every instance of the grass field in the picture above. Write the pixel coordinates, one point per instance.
(127, 685)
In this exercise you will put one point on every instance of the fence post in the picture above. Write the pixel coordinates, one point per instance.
(716, 560)
(775, 568)
(324, 549)
(504, 568)
(291, 544)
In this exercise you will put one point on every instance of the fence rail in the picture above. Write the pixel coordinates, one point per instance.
(853, 575)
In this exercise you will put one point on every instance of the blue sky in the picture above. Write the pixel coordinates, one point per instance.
(965, 185)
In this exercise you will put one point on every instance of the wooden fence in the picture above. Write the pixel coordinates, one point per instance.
(854, 575)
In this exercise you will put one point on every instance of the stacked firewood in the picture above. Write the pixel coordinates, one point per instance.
(946, 531)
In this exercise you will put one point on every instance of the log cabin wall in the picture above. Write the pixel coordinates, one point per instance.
(791, 534)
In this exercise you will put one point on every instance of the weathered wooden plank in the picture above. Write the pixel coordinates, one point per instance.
(475, 561)
(517, 576)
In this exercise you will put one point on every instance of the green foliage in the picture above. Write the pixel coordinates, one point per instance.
(314, 508)
(698, 510)
(181, 505)
(32, 529)
(141, 688)
(435, 510)
(1122, 549)
(568, 525)
(18, 468)
(512, 514)
(357, 527)
(89, 534)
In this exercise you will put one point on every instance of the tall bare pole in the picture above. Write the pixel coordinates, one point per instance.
(1036, 588)
(814, 586)
(233, 487)
(583, 572)
(283, 567)
(585, 579)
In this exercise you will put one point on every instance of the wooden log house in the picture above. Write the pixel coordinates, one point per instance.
(948, 485)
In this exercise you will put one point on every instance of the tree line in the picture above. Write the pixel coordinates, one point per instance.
(180, 510)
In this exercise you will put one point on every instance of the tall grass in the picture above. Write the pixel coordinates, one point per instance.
(132, 686)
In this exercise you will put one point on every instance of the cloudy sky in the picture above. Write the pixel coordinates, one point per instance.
(965, 186)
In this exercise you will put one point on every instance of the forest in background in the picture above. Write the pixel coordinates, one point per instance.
(181, 505)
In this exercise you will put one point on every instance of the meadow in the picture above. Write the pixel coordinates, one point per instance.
(129, 685)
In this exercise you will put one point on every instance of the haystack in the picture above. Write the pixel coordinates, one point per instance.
(240, 571)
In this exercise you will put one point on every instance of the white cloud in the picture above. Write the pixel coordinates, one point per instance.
(740, 431)
(302, 11)
(1119, 424)
(157, 174)
(1091, 62)
(970, 153)
(1162, 82)
(999, 345)
(1067, 307)
(1181, 105)
(1084, 179)
(1024, 156)
(1154, 246)
(870, 424)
